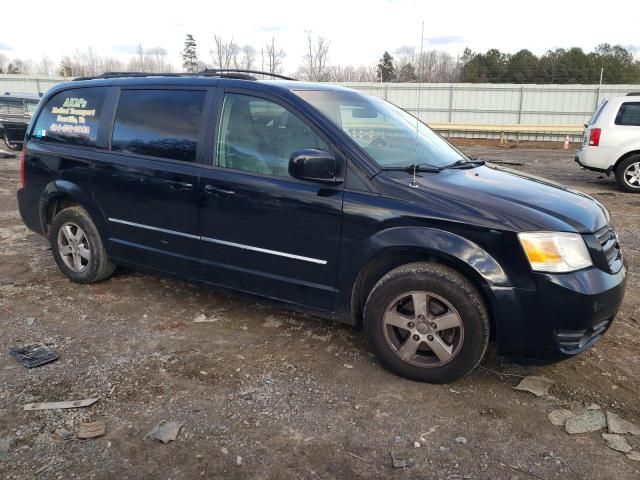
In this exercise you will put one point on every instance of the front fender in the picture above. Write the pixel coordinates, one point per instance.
(65, 189)
(453, 249)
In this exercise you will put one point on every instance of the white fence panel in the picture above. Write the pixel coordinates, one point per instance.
(447, 105)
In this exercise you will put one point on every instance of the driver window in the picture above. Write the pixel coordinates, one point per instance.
(259, 136)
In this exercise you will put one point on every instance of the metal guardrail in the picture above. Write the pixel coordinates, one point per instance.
(511, 132)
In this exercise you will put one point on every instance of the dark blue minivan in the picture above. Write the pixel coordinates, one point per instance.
(326, 199)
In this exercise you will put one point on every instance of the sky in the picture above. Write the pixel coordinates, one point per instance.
(358, 31)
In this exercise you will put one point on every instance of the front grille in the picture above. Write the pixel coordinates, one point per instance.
(608, 240)
(573, 341)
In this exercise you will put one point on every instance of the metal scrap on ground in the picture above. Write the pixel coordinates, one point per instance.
(33, 355)
(55, 405)
(165, 431)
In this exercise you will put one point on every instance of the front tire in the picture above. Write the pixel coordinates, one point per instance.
(77, 247)
(628, 174)
(426, 322)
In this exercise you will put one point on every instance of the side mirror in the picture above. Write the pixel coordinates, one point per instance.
(315, 166)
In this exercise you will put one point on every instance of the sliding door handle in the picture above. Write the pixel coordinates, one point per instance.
(218, 192)
(180, 186)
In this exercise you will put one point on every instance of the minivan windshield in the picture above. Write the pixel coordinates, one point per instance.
(391, 136)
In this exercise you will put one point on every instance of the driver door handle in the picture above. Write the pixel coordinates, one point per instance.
(218, 192)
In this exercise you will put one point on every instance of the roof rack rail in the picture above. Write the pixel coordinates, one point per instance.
(209, 72)
(219, 71)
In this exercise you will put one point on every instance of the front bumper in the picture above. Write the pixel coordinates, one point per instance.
(563, 316)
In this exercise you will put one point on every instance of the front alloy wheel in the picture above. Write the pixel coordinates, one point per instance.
(423, 329)
(426, 322)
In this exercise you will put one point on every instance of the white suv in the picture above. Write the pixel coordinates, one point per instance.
(612, 141)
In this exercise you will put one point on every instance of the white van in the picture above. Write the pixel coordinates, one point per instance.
(612, 141)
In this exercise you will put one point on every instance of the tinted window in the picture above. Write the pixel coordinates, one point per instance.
(258, 135)
(629, 114)
(158, 123)
(71, 117)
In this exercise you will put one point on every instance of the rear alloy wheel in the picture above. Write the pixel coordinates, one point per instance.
(77, 247)
(628, 174)
(73, 247)
(426, 322)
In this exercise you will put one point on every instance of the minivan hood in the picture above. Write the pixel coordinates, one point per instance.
(502, 198)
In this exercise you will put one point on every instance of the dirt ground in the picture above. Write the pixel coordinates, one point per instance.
(265, 393)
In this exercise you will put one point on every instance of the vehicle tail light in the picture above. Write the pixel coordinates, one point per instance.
(22, 159)
(594, 137)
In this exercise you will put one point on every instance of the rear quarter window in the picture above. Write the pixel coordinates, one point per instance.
(158, 123)
(597, 113)
(629, 114)
(71, 117)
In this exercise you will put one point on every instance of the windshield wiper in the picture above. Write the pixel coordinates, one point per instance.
(418, 167)
(462, 163)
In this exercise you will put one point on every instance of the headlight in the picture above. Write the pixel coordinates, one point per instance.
(555, 251)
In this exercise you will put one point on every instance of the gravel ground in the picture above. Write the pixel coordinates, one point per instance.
(266, 393)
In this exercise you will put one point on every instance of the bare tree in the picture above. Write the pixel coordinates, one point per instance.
(110, 64)
(275, 57)
(157, 57)
(85, 62)
(45, 67)
(152, 60)
(315, 60)
(430, 66)
(351, 73)
(248, 59)
(225, 54)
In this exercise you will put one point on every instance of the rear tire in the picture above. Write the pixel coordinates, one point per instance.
(11, 145)
(426, 322)
(77, 247)
(628, 174)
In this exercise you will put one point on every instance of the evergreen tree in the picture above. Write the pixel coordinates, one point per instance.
(386, 69)
(563, 66)
(407, 73)
(190, 55)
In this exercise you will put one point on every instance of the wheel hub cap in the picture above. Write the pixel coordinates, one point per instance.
(632, 174)
(73, 246)
(423, 329)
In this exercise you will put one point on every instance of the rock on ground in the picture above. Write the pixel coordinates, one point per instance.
(539, 386)
(616, 442)
(560, 417)
(635, 456)
(589, 421)
(401, 452)
(616, 424)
